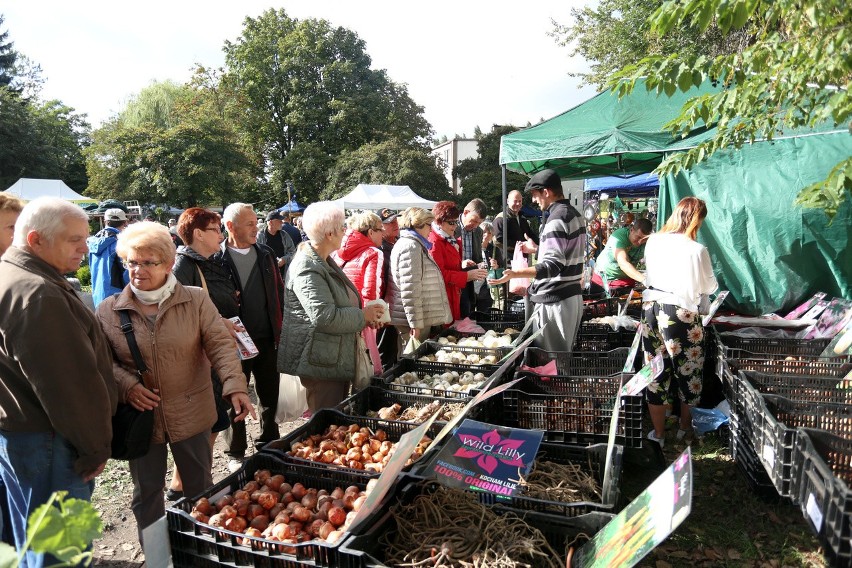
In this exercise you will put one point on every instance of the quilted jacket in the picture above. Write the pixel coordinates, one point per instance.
(321, 322)
(178, 349)
(362, 263)
(416, 292)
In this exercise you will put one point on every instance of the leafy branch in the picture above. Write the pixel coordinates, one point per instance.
(795, 74)
(63, 527)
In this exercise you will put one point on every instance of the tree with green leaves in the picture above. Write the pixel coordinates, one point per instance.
(392, 162)
(481, 176)
(41, 140)
(167, 148)
(795, 72)
(8, 55)
(308, 94)
(613, 34)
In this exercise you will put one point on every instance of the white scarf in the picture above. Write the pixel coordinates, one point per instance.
(158, 296)
(450, 239)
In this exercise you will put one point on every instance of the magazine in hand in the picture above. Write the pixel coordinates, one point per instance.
(245, 346)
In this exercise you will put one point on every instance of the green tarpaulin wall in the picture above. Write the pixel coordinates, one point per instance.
(770, 254)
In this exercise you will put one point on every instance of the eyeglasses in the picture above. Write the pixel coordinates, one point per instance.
(214, 229)
(132, 264)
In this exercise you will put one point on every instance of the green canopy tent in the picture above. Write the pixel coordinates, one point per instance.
(769, 253)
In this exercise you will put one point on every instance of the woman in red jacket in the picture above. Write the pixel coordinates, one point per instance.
(362, 261)
(446, 251)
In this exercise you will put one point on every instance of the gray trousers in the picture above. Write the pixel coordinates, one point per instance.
(563, 322)
(194, 459)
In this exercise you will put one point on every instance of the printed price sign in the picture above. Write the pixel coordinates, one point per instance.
(404, 449)
(644, 523)
(644, 377)
(484, 457)
(705, 321)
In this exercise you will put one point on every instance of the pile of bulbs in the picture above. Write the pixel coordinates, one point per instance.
(446, 355)
(490, 340)
(449, 381)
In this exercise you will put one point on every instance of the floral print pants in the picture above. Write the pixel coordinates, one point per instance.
(677, 334)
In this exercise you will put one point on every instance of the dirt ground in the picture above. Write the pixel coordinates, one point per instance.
(119, 547)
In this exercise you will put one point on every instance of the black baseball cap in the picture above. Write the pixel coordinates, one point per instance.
(274, 216)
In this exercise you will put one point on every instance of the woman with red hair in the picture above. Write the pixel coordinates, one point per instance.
(446, 252)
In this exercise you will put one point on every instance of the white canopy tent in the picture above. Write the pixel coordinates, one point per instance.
(383, 196)
(30, 188)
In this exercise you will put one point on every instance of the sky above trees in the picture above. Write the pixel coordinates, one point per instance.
(467, 64)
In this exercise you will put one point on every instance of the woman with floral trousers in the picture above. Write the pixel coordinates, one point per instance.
(678, 335)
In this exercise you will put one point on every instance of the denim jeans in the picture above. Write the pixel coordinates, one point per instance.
(33, 465)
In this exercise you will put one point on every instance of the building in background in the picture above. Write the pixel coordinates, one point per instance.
(450, 153)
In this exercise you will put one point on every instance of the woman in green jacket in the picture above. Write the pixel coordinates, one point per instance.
(323, 316)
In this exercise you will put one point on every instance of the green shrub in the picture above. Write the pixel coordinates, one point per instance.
(84, 275)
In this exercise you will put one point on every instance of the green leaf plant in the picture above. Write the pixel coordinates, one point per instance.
(63, 527)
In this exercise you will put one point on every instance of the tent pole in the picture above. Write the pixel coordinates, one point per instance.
(505, 234)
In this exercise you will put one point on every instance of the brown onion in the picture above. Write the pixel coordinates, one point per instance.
(275, 482)
(336, 516)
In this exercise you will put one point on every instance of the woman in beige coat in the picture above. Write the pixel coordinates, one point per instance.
(179, 333)
(416, 293)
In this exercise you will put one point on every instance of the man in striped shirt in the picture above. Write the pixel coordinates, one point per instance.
(556, 290)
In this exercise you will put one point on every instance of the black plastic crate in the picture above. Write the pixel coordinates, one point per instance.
(781, 420)
(601, 337)
(373, 398)
(499, 327)
(365, 549)
(731, 345)
(326, 417)
(579, 363)
(571, 410)
(196, 544)
(748, 463)
(801, 388)
(599, 308)
(810, 365)
(822, 465)
(408, 365)
(431, 347)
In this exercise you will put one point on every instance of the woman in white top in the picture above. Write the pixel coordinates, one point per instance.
(679, 277)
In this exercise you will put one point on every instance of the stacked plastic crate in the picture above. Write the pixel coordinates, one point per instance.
(786, 401)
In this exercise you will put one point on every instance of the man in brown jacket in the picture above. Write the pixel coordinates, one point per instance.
(57, 391)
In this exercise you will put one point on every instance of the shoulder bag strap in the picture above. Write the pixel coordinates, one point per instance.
(203, 280)
(127, 329)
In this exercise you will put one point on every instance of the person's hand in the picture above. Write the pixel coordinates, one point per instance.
(242, 406)
(282, 262)
(468, 262)
(415, 333)
(528, 246)
(93, 473)
(140, 398)
(476, 274)
(372, 314)
(508, 274)
(232, 327)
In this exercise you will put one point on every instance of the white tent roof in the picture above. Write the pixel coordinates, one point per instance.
(380, 196)
(29, 189)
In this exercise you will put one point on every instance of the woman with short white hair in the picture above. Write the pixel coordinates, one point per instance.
(180, 335)
(323, 314)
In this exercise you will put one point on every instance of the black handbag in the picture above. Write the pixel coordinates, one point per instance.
(131, 429)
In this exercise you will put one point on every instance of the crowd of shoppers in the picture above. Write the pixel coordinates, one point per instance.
(332, 303)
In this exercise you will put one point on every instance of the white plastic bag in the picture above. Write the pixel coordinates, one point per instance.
(518, 286)
(292, 400)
